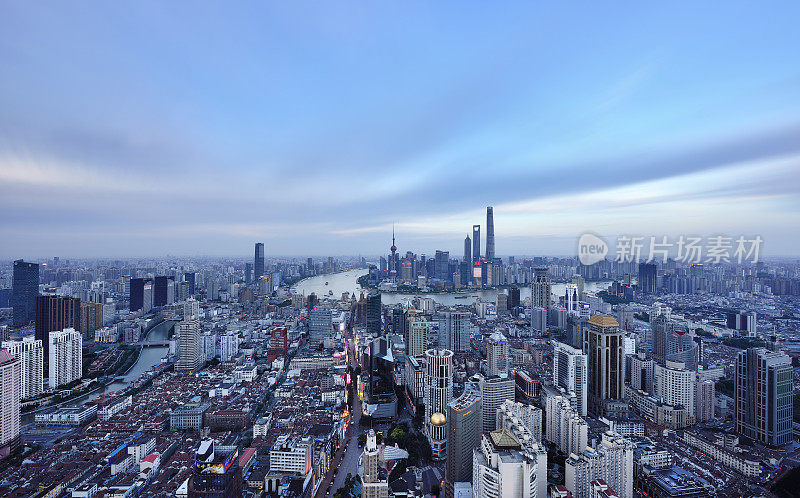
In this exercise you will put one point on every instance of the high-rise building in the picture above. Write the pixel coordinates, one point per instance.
(565, 428)
(642, 374)
(763, 396)
(374, 484)
(455, 330)
(258, 262)
(163, 291)
(141, 295)
(647, 278)
(463, 435)
(571, 299)
(248, 273)
(216, 472)
(91, 318)
(494, 391)
(502, 467)
(490, 233)
(540, 288)
(602, 343)
(672, 342)
(30, 353)
(228, 346)
(704, 400)
(380, 398)
(611, 461)
(417, 341)
(570, 373)
(56, 313)
(374, 313)
(441, 265)
(467, 272)
(191, 356)
(675, 387)
(438, 393)
(513, 297)
(511, 413)
(497, 354)
(9, 402)
(320, 324)
(191, 310)
(24, 289)
(65, 357)
(476, 243)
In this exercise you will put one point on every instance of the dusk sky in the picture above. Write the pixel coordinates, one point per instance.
(146, 129)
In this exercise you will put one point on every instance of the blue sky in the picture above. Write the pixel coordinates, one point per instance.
(142, 129)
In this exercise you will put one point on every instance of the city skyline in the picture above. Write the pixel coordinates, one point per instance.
(323, 127)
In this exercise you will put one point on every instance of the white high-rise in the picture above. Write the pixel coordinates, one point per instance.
(191, 310)
(494, 391)
(611, 461)
(9, 402)
(571, 299)
(570, 373)
(502, 467)
(675, 387)
(438, 393)
(519, 419)
(372, 485)
(565, 428)
(65, 357)
(497, 354)
(30, 353)
(228, 346)
(191, 356)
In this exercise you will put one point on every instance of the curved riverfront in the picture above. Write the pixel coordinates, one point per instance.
(347, 281)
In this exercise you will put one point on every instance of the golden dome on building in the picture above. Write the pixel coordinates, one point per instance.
(438, 419)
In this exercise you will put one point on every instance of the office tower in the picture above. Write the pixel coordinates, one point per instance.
(248, 273)
(672, 342)
(191, 356)
(513, 297)
(467, 273)
(320, 324)
(24, 289)
(602, 343)
(501, 303)
(374, 484)
(438, 393)
(503, 468)
(258, 262)
(704, 400)
(30, 353)
(417, 336)
(463, 436)
(570, 373)
(476, 243)
(763, 396)
(497, 354)
(743, 321)
(9, 402)
(647, 278)
(511, 413)
(216, 472)
(675, 387)
(455, 330)
(56, 313)
(141, 296)
(571, 299)
(565, 428)
(65, 357)
(191, 310)
(611, 461)
(490, 233)
(494, 390)
(91, 318)
(540, 288)
(380, 398)
(374, 313)
(399, 321)
(441, 268)
(163, 291)
(538, 324)
(642, 375)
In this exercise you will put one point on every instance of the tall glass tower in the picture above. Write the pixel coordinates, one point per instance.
(490, 233)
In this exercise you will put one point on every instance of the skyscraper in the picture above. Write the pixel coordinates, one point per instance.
(141, 294)
(490, 233)
(258, 262)
(497, 354)
(467, 271)
(56, 313)
(763, 396)
(417, 341)
(502, 467)
(438, 393)
(570, 373)
(602, 343)
(704, 400)
(191, 356)
(476, 243)
(672, 342)
(374, 485)
(30, 353)
(24, 289)
(455, 330)
(647, 278)
(611, 460)
(65, 357)
(675, 387)
(540, 288)
(463, 436)
(374, 313)
(320, 324)
(10, 372)
(494, 391)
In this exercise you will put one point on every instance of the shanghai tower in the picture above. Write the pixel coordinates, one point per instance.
(490, 233)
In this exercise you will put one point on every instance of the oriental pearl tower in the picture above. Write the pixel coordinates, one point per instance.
(393, 259)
